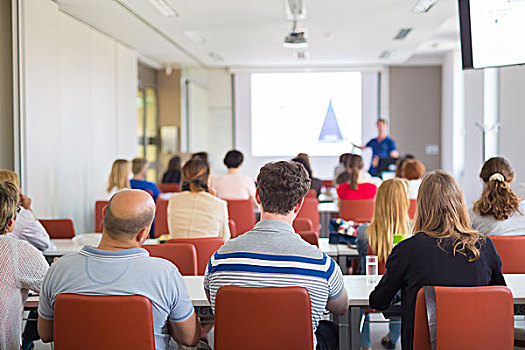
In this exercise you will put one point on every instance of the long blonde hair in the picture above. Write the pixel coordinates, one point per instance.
(10, 176)
(441, 213)
(119, 176)
(390, 217)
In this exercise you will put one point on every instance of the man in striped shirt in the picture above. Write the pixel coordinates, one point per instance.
(273, 255)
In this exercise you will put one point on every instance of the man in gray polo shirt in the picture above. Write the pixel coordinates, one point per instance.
(118, 266)
(273, 255)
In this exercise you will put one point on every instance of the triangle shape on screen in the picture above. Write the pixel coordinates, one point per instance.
(330, 131)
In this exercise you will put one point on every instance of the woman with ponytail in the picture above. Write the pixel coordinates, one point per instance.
(499, 211)
(443, 251)
(195, 212)
(353, 187)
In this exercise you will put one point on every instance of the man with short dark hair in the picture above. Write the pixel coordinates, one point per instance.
(234, 185)
(273, 255)
(139, 167)
(382, 147)
(118, 266)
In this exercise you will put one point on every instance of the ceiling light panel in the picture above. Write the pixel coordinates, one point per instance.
(423, 6)
(403, 32)
(196, 37)
(165, 7)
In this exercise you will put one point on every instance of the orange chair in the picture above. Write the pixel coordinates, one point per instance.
(328, 183)
(182, 255)
(310, 237)
(169, 187)
(241, 211)
(161, 217)
(85, 322)
(310, 211)
(311, 194)
(412, 208)
(59, 228)
(360, 210)
(510, 250)
(479, 318)
(205, 248)
(303, 225)
(233, 228)
(259, 318)
(99, 215)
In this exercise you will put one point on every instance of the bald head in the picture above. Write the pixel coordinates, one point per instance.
(127, 213)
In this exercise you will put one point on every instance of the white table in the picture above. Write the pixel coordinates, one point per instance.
(326, 210)
(60, 247)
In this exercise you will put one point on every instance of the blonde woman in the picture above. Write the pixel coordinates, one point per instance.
(27, 227)
(195, 212)
(390, 217)
(119, 177)
(444, 251)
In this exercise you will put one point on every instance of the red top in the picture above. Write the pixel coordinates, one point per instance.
(364, 191)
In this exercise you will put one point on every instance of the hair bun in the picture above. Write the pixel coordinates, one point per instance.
(497, 177)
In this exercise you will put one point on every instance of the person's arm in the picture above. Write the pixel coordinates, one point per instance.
(29, 229)
(32, 267)
(391, 282)
(337, 296)
(339, 305)
(497, 278)
(394, 153)
(45, 329)
(186, 332)
(225, 231)
(155, 190)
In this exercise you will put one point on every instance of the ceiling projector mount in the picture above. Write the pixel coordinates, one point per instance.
(297, 38)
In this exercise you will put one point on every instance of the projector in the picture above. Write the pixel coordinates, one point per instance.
(296, 39)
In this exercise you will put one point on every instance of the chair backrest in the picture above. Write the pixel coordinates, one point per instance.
(259, 318)
(241, 211)
(510, 250)
(328, 183)
(99, 215)
(205, 248)
(380, 264)
(360, 210)
(310, 211)
(303, 225)
(59, 228)
(310, 237)
(161, 217)
(182, 255)
(169, 187)
(233, 228)
(479, 318)
(311, 194)
(412, 208)
(86, 322)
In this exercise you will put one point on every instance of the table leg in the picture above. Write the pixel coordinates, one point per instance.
(343, 322)
(355, 320)
(324, 219)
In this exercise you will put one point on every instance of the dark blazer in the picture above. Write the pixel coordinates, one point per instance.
(418, 261)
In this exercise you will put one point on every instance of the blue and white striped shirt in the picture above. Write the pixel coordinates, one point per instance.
(273, 255)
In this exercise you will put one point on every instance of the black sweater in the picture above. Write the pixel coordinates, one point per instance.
(417, 262)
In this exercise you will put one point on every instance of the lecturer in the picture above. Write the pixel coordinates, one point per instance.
(382, 147)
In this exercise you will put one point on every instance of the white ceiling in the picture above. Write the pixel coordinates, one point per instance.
(249, 33)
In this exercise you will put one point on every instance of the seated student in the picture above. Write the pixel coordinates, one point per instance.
(444, 251)
(356, 161)
(119, 266)
(390, 217)
(341, 166)
(399, 165)
(22, 267)
(139, 168)
(234, 185)
(172, 175)
(499, 211)
(194, 212)
(316, 184)
(352, 189)
(27, 227)
(413, 170)
(280, 192)
(118, 177)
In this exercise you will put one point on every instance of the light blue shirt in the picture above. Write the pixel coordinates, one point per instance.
(123, 272)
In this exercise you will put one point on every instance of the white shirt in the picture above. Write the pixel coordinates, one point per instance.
(413, 188)
(234, 186)
(28, 228)
(22, 267)
(193, 215)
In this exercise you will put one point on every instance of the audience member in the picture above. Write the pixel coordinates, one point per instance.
(118, 266)
(118, 177)
(194, 212)
(352, 188)
(356, 161)
(399, 165)
(444, 251)
(272, 251)
(22, 267)
(390, 217)
(499, 211)
(315, 183)
(413, 170)
(341, 166)
(27, 227)
(202, 155)
(234, 185)
(139, 168)
(172, 175)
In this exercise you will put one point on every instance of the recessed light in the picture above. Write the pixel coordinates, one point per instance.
(196, 37)
(386, 54)
(165, 7)
(403, 32)
(423, 6)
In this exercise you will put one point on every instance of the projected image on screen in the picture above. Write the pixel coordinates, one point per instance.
(314, 113)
